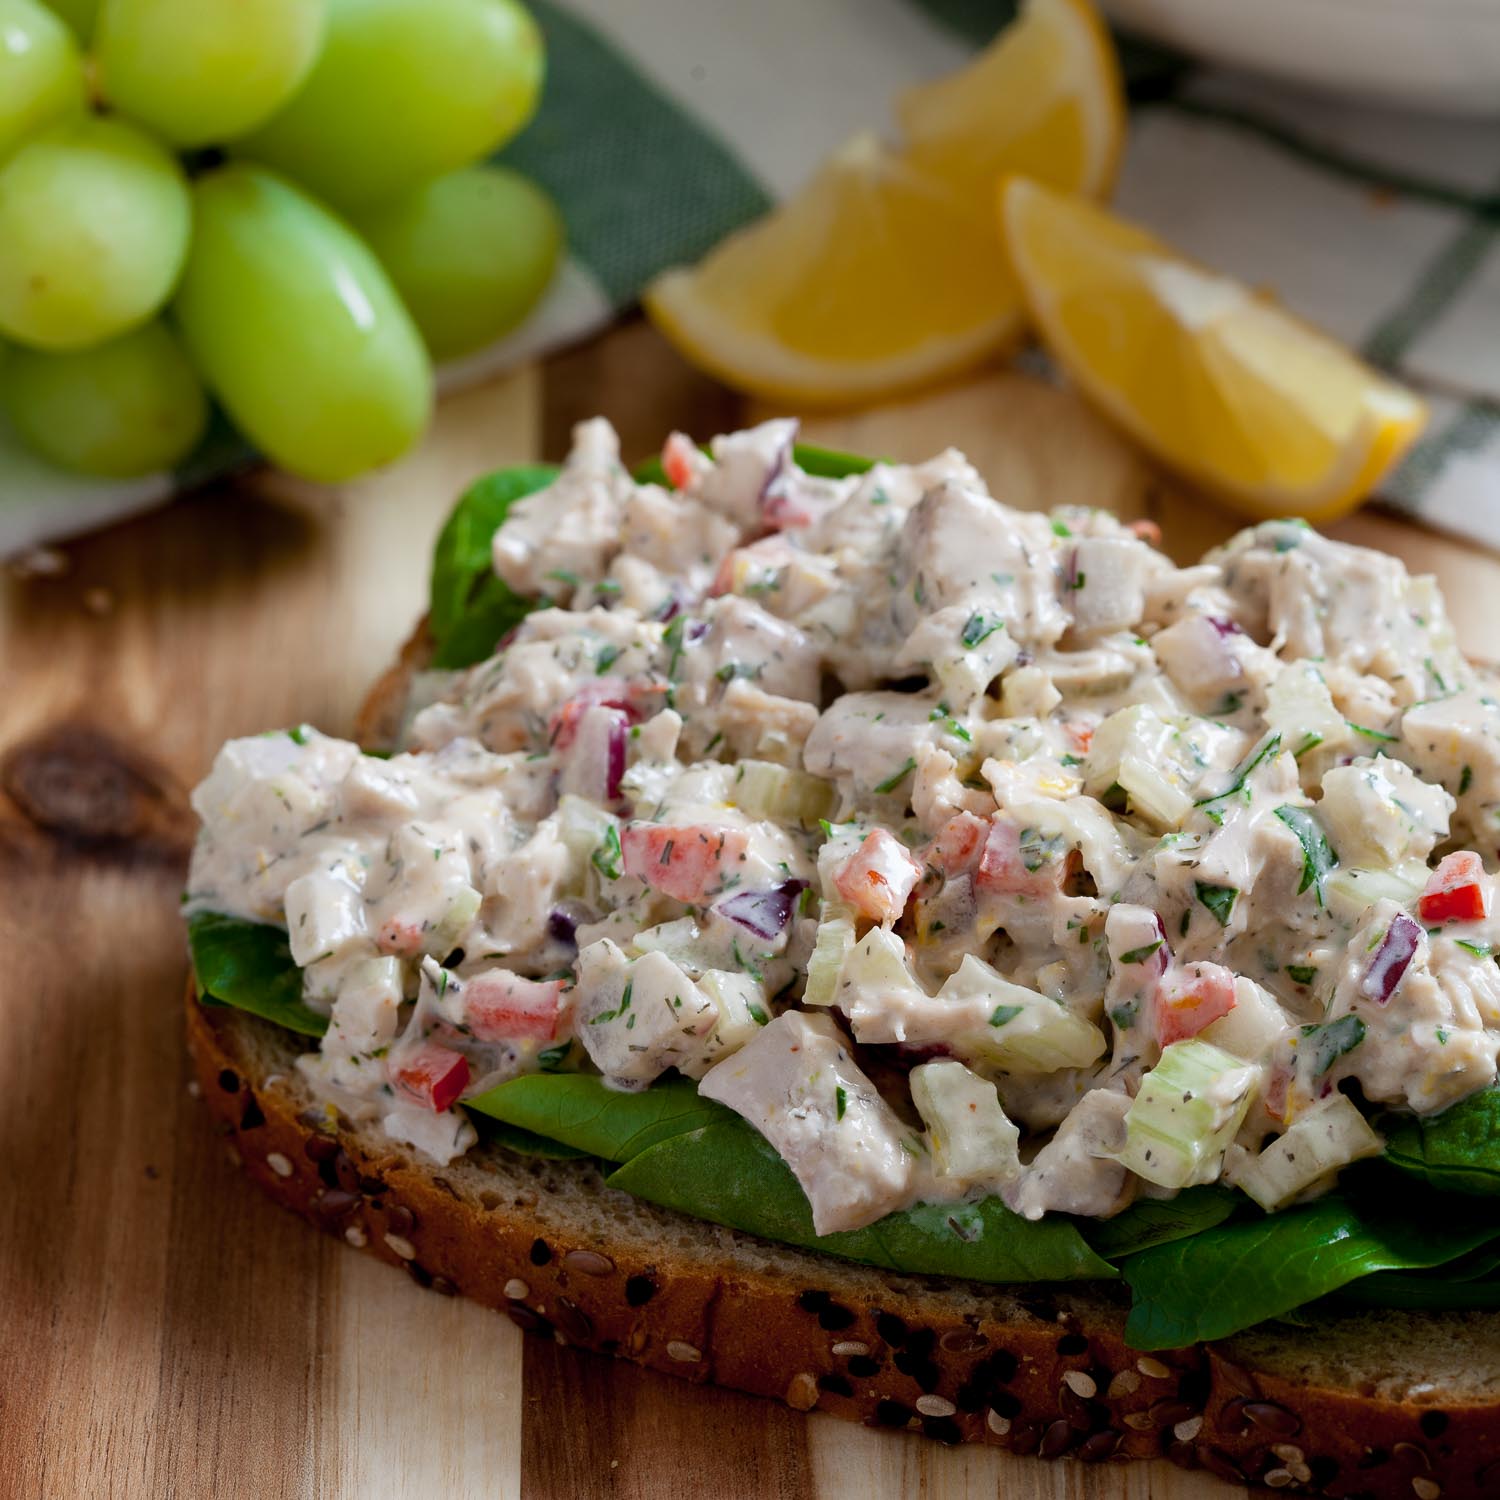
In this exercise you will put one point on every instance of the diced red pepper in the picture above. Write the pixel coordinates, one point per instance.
(1190, 997)
(679, 459)
(1456, 890)
(955, 847)
(688, 863)
(1013, 865)
(502, 1006)
(433, 1075)
(879, 877)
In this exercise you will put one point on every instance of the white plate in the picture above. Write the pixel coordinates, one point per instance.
(1441, 55)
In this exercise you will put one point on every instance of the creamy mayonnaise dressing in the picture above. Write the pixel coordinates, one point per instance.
(914, 826)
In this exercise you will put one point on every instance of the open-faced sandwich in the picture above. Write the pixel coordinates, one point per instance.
(799, 923)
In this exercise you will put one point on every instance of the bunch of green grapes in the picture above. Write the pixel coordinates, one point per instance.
(272, 204)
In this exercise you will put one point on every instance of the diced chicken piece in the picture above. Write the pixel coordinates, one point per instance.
(379, 789)
(959, 547)
(743, 641)
(1207, 657)
(1104, 583)
(878, 879)
(755, 725)
(965, 647)
(783, 578)
(1455, 741)
(638, 1017)
(528, 886)
(570, 529)
(680, 541)
(1408, 1022)
(423, 898)
(1378, 812)
(938, 796)
(868, 743)
(1029, 692)
(325, 918)
(1075, 1173)
(690, 863)
(745, 466)
(797, 1084)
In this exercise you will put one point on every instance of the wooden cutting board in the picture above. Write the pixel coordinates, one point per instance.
(167, 1332)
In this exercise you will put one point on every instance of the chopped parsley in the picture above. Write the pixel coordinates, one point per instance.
(979, 627)
(1326, 1044)
(1003, 1014)
(1302, 973)
(841, 1100)
(1318, 857)
(1371, 734)
(1465, 780)
(1219, 899)
(607, 657)
(896, 778)
(1140, 955)
(1267, 747)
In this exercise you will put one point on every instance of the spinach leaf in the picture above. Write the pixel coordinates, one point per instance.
(729, 1174)
(248, 965)
(522, 1142)
(578, 1110)
(1158, 1221)
(1458, 1150)
(1469, 1282)
(1318, 858)
(469, 608)
(1241, 1273)
(825, 463)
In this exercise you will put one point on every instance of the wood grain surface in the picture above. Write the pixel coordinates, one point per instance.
(165, 1332)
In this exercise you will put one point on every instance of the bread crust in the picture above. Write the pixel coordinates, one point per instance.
(1041, 1370)
(1049, 1373)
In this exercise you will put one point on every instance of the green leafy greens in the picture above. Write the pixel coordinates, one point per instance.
(249, 965)
(469, 608)
(1458, 1150)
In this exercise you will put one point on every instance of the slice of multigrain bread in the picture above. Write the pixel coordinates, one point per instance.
(1386, 1405)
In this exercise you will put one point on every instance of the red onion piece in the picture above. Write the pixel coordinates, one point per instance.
(1224, 625)
(615, 762)
(562, 925)
(1392, 959)
(764, 913)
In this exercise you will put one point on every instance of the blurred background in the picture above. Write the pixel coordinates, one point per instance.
(270, 231)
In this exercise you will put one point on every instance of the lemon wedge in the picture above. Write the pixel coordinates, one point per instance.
(885, 272)
(1212, 378)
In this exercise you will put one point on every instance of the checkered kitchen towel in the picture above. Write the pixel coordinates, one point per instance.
(665, 125)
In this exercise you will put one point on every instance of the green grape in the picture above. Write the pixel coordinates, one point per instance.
(205, 71)
(127, 407)
(94, 222)
(79, 14)
(41, 73)
(297, 329)
(471, 254)
(404, 90)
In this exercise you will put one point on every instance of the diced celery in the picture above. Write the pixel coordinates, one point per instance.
(1136, 750)
(1300, 707)
(876, 964)
(1252, 1027)
(1319, 1141)
(682, 941)
(971, 1137)
(743, 1008)
(834, 943)
(1152, 793)
(1025, 1032)
(461, 911)
(1186, 1113)
(762, 789)
(1351, 892)
(582, 827)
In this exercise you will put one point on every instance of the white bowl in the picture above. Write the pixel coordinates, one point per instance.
(1441, 55)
